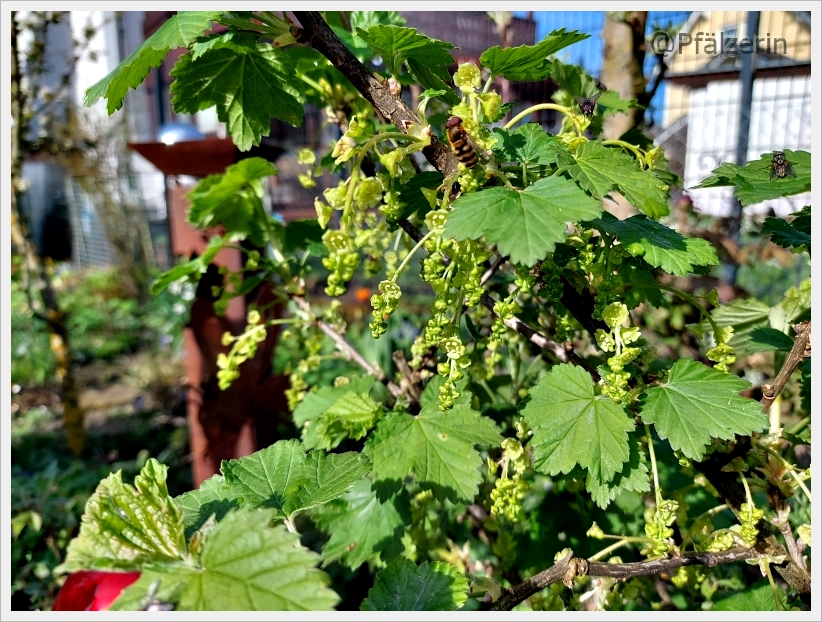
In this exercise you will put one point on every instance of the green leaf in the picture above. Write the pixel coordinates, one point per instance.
(430, 394)
(664, 247)
(744, 314)
(528, 63)
(765, 339)
(528, 144)
(525, 225)
(248, 83)
(753, 182)
(600, 170)
(760, 597)
(351, 416)
(404, 586)
(246, 565)
(397, 44)
(213, 497)
(124, 527)
(363, 528)
(198, 265)
(429, 78)
(572, 79)
(411, 196)
(234, 200)
(437, 448)
(179, 31)
(573, 426)
(697, 404)
(300, 234)
(283, 477)
(632, 477)
(785, 234)
(316, 403)
(367, 19)
(802, 220)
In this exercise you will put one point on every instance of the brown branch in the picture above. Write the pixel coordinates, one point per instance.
(494, 267)
(570, 567)
(350, 351)
(800, 350)
(322, 38)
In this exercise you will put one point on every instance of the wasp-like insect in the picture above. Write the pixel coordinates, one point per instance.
(587, 105)
(461, 143)
(780, 167)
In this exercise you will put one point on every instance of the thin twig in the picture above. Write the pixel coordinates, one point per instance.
(801, 349)
(570, 567)
(349, 350)
(494, 267)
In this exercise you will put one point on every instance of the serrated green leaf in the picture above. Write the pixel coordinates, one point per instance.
(411, 196)
(802, 220)
(753, 182)
(248, 83)
(573, 426)
(300, 234)
(785, 234)
(429, 78)
(246, 565)
(572, 79)
(697, 404)
(632, 477)
(351, 416)
(438, 448)
(179, 31)
(124, 527)
(601, 170)
(363, 528)
(397, 44)
(766, 339)
(529, 144)
(404, 586)
(528, 63)
(318, 402)
(525, 225)
(367, 19)
(760, 597)
(213, 497)
(283, 477)
(234, 200)
(744, 314)
(664, 247)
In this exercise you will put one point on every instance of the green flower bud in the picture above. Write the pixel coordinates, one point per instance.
(615, 314)
(306, 156)
(467, 78)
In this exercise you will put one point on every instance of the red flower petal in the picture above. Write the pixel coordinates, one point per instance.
(92, 591)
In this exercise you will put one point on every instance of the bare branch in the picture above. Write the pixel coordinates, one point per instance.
(349, 350)
(570, 567)
(801, 349)
(322, 38)
(494, 267)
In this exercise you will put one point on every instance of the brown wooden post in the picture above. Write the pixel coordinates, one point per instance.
(238, 421)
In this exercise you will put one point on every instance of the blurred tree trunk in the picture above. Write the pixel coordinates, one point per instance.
(37, 281)
(502, 20)
(623, 49)
(623, 43)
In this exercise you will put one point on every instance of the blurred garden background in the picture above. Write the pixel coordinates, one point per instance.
(100, 213)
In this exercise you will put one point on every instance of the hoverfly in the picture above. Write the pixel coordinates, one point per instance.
(780, 167)
(461, 143)
(587, 105)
